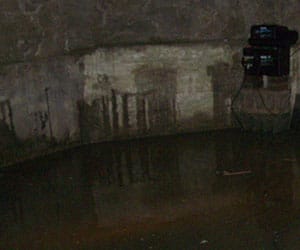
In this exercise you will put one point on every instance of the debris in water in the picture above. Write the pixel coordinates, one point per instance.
(232, 173)
(203, 242)
(289, 160)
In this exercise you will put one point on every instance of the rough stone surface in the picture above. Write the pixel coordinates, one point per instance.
(41, 28)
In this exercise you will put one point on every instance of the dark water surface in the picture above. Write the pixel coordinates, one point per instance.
(220, 190)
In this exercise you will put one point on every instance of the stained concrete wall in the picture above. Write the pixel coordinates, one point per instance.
(121, 92)
(39, 99)
(41, 28)
(70, 72)
(152, 90)
(295, 88)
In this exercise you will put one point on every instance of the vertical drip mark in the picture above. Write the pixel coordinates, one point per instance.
(7, 115)
(119, 100)
(80, 120)
(10, 115)
(152, 109)
(125, 111)
(35, 130)
(141, 114)
(147, 113)
(49, 115)
(99, 105)
(133, 112)
(3, 111)
(174, 111)
(105, 114)
(114, 112)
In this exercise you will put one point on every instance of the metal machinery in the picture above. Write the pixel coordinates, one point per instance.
(268, 52)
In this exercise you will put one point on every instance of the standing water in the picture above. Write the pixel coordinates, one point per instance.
(219, 190)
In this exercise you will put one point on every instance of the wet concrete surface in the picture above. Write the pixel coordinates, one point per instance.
(217, 190)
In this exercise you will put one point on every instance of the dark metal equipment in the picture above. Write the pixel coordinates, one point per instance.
(268, 52)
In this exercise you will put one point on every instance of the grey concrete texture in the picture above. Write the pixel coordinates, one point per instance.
(121, 93)
(41, 28)
(39, 99)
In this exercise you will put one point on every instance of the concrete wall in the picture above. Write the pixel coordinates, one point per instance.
(74, 71)
(121, 92)
(42, 98)
(40, 28)
(153, 90)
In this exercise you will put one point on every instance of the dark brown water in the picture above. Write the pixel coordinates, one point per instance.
(222, 190)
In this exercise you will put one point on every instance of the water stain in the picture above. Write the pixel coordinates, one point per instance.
(141, 114)
(149, 111)
(7, 115)
(95, 120)
(125, 111)
(114, 112)
(41, 120)
(158, 106)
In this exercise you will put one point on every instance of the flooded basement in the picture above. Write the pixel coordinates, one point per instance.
(217, 190)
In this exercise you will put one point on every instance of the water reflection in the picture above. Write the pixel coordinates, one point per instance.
(68, 200)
